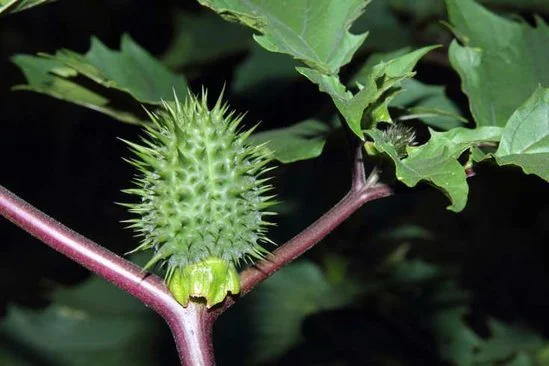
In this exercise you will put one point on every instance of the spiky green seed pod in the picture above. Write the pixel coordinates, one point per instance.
(400, 137)
(397, 135)
(202, 197)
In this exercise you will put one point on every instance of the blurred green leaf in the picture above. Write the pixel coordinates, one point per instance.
(91, 324)
(437, 161)
(428, 103)
(501, 61)
(456, 341)
(131, 70)
(385, 31)
(274, 312)
(424, 10)
(12, 6)
(525, 138)
(507, 340)
(523, 5)
(418, 10)
(443, 307)
(304, 140)
(204, 38)
(262, 67)
(316, 33)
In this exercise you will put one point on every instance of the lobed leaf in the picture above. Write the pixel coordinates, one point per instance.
(131, 70)
(314, 32)
(378, 84)
(437, 161)
(501, 61)
(525, 138)
(52, 78)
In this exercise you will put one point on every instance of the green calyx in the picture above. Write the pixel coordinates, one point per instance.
(211, 279)
(202, 197)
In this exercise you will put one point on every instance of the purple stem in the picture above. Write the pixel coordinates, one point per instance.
(191, 326)
(305, 240)
(362, 190)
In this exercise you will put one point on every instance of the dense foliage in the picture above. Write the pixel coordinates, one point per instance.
(404, 281)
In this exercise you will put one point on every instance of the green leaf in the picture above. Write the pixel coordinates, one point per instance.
(525, 138)
(443, 309)
(506, 341)
(429, 103)
(457, 342)
(13, 6)
(204, 38)
(263, 67)
(350, 106)
(426, 102)
(378, 85)
(419, 10)
(501, 62)
(385, 31)
(304, 140)
(314, 32)
(91, 324)
(131, 70)
(51, 78)
(437, 161)
(527, 6)
(275, 310)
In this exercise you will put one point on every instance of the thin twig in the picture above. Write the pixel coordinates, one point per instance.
(191, 326)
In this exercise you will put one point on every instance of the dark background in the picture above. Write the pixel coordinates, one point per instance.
(66, 160)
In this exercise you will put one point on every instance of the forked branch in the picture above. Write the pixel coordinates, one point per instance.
(191, 326)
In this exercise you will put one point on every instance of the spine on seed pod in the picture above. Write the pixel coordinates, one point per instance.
(202, 197)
